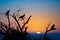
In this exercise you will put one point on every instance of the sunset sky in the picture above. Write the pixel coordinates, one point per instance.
(42, 11)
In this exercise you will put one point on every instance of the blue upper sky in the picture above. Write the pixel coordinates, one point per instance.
(48, 5)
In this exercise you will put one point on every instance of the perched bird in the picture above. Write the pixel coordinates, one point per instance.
(53, 27)
(22, 17)
(7, 13)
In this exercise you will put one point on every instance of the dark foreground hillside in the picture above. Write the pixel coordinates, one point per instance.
(33, 35)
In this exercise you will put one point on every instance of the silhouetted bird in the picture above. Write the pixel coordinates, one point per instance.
(7, 13)
(22, 17)
(53, 27)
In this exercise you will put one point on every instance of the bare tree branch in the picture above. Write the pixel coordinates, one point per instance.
(48, 26)
(17, 22)
(7, 14)
(26, 22)
(1, 26)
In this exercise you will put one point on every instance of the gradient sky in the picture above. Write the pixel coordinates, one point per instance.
(42, 11)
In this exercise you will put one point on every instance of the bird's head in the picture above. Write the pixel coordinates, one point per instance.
(53, 27)
(7, 13)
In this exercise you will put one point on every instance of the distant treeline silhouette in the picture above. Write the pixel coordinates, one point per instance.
(20, 33)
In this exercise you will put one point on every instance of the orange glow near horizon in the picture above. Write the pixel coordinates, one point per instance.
(36, 25)
(39, 23)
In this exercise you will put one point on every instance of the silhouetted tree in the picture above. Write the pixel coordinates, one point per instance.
(11, 33)
(20, 33)
(48, 30)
